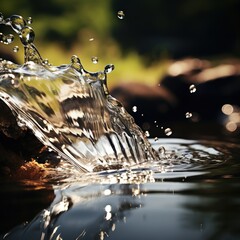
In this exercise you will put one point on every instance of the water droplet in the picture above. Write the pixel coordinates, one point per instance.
(91, 39)
(27, 35)
(121, 15)
(192, 88)
(101, 76)
(134, 108)
(45, 61)
(109, 68)
(17, 22)
(188, 114)
(76, 62)
(156, 139)
(29, 20)
(95, 60)
(75, 59)
(147, 134)
(16, 49)
(168, 131)
(8, 39)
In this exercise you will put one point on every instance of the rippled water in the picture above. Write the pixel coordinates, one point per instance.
(193, 195)
(111, 183)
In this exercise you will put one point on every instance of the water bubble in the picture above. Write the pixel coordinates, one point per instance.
(45, 61)
(8, 39)
(17, 22)
(188, 114)
(27, 35)
(134, 108)
(16, 49)
(109, 68)
(121, 15)
(95, 60)
(192, 88)
(29, 20)
(168, 131)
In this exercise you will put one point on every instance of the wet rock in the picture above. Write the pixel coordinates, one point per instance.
(8, 123)
(21, 152)
(150, 101)
(193, 90)
(213, 86)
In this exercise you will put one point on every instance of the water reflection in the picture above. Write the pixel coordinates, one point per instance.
(181, 202)
(89, 212)
(131, 211)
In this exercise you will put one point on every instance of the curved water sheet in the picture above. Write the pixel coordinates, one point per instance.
(69, 109)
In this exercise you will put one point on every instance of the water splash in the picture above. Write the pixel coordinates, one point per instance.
(192, 88)
(70, 110)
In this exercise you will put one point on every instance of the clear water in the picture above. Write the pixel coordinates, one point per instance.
(112, 183)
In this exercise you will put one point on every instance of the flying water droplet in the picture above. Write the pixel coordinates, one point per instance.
(29, 20)
(134, 108)
(168, 131)
(15, 49)
(188, 114)
(95, 60)
(121, 14)
(192, 88)
(147, 134)
(109, 68)
(45, 61)
(91, 39)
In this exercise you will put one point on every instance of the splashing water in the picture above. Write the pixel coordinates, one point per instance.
(69, 109)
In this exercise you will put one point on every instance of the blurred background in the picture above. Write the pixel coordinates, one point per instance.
(151, 43)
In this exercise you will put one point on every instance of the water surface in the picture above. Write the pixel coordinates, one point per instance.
(193, 195)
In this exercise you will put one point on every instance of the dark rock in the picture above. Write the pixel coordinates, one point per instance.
(170, 101)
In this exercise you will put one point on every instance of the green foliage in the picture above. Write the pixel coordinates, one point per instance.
(60, 19)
